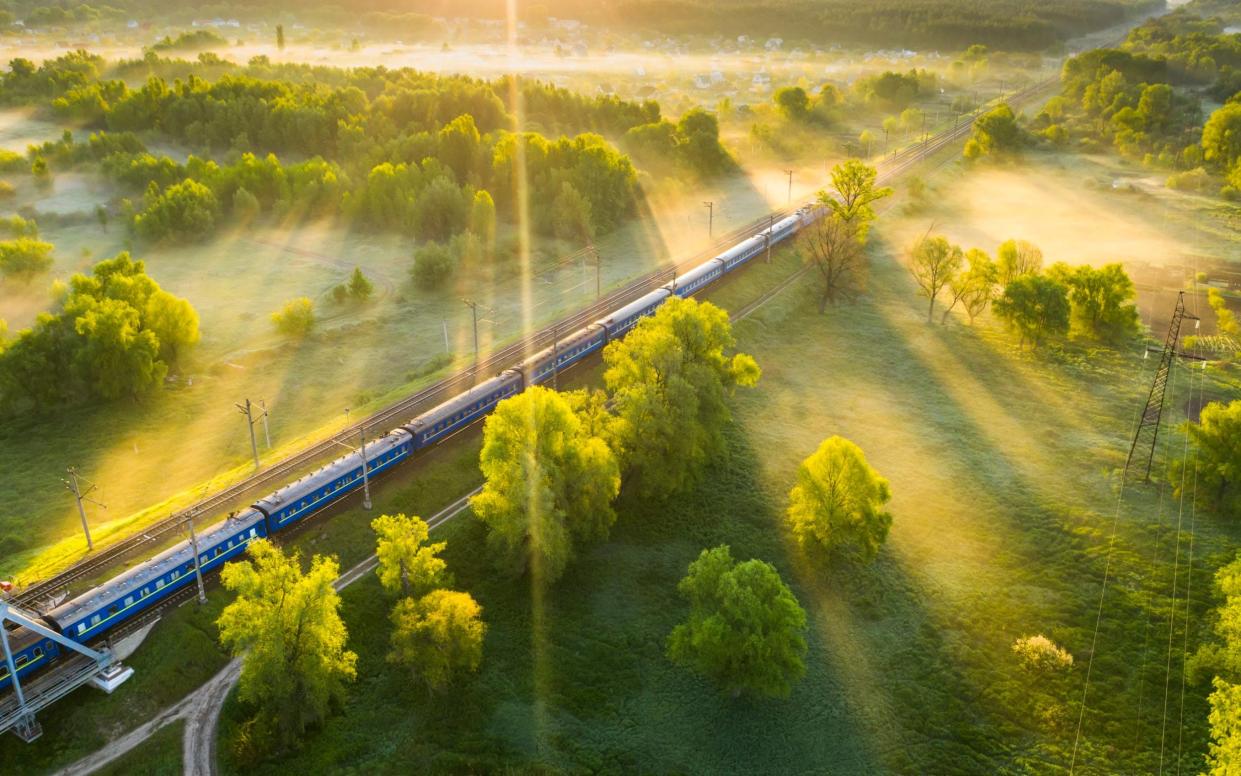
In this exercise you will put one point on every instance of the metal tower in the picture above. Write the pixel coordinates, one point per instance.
(1143, 449)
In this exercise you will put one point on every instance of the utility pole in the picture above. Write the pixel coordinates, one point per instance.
(198, 571)
(598, 269)
(444, 323)
(79, 496)
(556, 356)
(790, 174)
(710, 206)
(470, 303)
(248, 410)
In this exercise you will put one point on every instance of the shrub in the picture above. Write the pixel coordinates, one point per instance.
(24, 258)
(296, 318)
(1040, 655)
(433, 265)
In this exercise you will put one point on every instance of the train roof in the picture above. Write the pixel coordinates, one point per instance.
(20, 637)
(330, 471)
(639, 304)
(95, 598)
(564, 343)
(463, 399)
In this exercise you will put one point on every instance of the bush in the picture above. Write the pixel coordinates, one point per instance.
(1196, 180)
(6, 190)
(296, 318)
(24, 258)
(1040, 655)
(433, 265)
(246, 206)
(184, 211)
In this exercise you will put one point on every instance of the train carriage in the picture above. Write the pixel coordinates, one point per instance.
(540, 367)
(333, 481)
(460, 411)
(103, 607)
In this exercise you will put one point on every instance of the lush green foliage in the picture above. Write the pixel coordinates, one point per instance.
(853, 195)
(1225, 319)
(974, 288)
(434, 263)
(1217, 461)
(934, 263)
(550, 482)
(196, 40)
(1036, 306)
(23, 258)
(668, 380)
(1017, 258)
(407, 563)
(995, 134)
(185, 210)
(296, 318)
(285, 624)
(116, 335)
(837, 503)
(1041, 656)
(745, 627)
(1102, 300)
(438, 636)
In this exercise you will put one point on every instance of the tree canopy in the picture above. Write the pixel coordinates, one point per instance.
(296, 318)
(1101, 300)
(438, 636)
(1217, 437)
(996, 134)
(550, 482)
(837, 503)
(286, 627)
(745, 627)
(855, 192)
(934, 263)
(1036, 307)
(407, 562)
(668, 380)
(116, 334)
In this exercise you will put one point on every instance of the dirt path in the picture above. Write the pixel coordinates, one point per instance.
(201, 708)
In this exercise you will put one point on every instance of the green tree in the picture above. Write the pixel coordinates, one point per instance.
(745, 627)
(407, 563)
(793, 102)
(280, 36)
(996, 133)
(668, 380)
(1036, 307)
(1217, 437)
(1221, 137)
(116, 354)
(837, 503)
(934, 262)
(286, 627)
(1224, 754)
(831, 245)
(1102, 301)
(434, 264)
(360, 287)
(867, 140)
(184, 211)
(483, 219)
(698, 144)
(1016, 258)
(23, 258)
(438, 636)
(459, 146)
(246, 206)
(296, 318)
(1225, 319)
(975, 288)
(174, 321)
(855, 192)
(101, 216)
(441, 210)
(39, 169)
(550, 482)
(571, 215)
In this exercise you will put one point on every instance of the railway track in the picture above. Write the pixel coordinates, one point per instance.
(38, 595)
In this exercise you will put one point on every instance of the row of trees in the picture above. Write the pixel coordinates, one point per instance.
(1096, 303)
(116, 333)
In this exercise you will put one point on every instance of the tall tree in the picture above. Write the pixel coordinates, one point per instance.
(975, 288)
(1036, 307)
(793, 102)
(1217, 437)
(286, 627)
(837, 503)
(832, 246)
(1016, 258)
(174, 322)
(1101, 300)
(438, 636)
(996, 133)
(855, 192)
(745, 627)
(280, 36)
(1225, 319)
(550, 482)
(934, 263)
(407, 563)
(360, 287)
(669, 379)
(1221, 137)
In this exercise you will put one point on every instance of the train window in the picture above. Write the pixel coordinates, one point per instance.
(113, 609)
(95, 620)
(254, 532)
(129, 601)
(175, 575)
(81, 628)
(21, 660)
(159, 584)
(38, 652)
